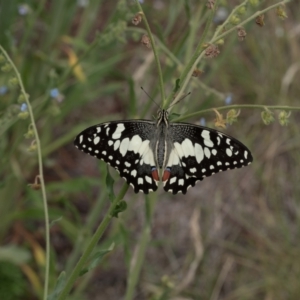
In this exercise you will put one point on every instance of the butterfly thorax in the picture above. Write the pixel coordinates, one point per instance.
(162, 147)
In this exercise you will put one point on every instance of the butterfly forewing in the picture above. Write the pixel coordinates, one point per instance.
(200, 152)
(125, 145)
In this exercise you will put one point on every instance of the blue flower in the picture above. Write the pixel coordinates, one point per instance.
(23, 107)
(54, 93)
(83, 3)
(228, 99)
(202, 122)
(221, 15)
(3, 90)
(23, 9)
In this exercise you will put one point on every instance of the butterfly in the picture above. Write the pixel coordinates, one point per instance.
(178, 154)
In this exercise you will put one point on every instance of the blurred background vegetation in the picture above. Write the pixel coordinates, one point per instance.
(235, 235)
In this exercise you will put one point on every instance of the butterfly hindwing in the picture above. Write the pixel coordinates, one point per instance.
(200, 152)
(125, 145)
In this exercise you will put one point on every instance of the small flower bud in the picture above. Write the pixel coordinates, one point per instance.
(32, 147)
(254, 2)
(2, 58)
(241, 32)
(13, 82)
(29, 134)
(6, 68)
(35, 186)
(231, 116)
(22, 99)
(23, 115)
(219, 120)
(242, 10)
(146, 41)
(234, 20)
(281, 13)
(137, 19)
(260, 20)
(220, 42)
(267, 117)
(212, 51)
(197, 73)
(283, 118)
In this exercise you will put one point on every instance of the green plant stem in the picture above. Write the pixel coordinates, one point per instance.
(41, 172)
(160, 44)
(199, 53)
(237, 106)
(216, 38)
(93, 242)
(188, 70)
(234, 11)
(139, 255)
(160, 76)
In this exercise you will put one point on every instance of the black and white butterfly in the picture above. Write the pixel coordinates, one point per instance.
(178, 154)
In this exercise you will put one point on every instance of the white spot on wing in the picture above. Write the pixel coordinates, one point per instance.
(124, 146)
(228, 152)
(140, 180)
(173, 180)
(207, 152)
(199, 153)
(206, 137)
(187, 148)
(193, 170)
(117, 134)
(98, 129)
(127, 164)
(179, 149)
(173, 159)
(181, 181)
(80, 139)
(219, 140)
(96, 140)
(246, 154)
(133, 173)
(117, 144)
(135, 144)
(110, 142)
(148, 179)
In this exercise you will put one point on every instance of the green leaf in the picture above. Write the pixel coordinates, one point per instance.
(58, 287)
(14, 254)
(96, 259)
(120, 207)
(177, 86)
(55, 221)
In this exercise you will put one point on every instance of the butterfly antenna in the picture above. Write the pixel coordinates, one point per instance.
(150, 97)
(184, 96)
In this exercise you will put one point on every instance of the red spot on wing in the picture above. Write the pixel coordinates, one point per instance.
(155, 175)
(166, 175)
